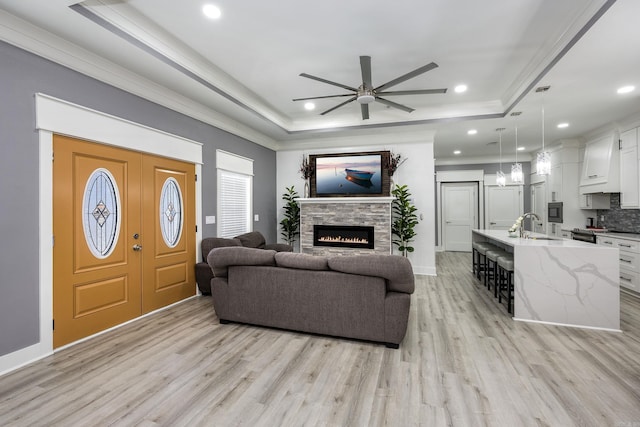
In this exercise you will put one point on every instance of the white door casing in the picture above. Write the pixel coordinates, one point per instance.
(459, 211)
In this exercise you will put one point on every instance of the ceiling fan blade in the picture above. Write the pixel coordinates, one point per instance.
(413, 92)
(365, 66)
(321, 97)
(365, 111)
(394, 104)
(353, 98)
(329, 82)
(408, 76)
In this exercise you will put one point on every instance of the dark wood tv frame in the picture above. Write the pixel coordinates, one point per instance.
(384, 166)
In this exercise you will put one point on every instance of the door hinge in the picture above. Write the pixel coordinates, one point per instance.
(196, 177)
(53, 324)
(196, 228)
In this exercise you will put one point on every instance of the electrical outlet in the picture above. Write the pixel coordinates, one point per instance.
(256, 217)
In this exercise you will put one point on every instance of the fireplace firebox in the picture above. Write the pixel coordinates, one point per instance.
(345, 236)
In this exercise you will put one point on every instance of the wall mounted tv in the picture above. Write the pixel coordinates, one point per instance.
(350, 174)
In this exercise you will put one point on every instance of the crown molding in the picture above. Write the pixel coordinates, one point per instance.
(33, 39)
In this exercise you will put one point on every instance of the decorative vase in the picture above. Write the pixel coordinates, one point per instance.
(306, 188)
(391, 183)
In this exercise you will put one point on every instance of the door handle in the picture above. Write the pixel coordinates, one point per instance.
(137, 248)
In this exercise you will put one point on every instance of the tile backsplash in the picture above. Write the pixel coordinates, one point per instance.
(619, 219)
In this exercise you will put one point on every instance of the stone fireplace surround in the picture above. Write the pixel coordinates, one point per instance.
(358, 211)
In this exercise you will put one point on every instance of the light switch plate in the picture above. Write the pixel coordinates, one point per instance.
(256, 217)
(210, 219)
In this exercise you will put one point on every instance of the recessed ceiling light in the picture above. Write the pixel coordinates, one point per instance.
(309, 106)
(211, 11)
(460, 88)
(626, 89)
(457, 152)
(472, 132)
(521, 148)
(563, 125)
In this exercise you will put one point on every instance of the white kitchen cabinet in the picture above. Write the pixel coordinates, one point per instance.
(595, 201)
(601, 166)
(565, 234)
(629, 255)
(554, 182)
(629, 176)
(539, 206)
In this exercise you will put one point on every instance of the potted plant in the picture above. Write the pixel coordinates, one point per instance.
(403, 219)
(290, 224)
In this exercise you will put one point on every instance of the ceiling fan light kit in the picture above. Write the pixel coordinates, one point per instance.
(366, 94)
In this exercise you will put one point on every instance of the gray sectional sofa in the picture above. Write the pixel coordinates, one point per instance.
(253, 239)
(365, 297)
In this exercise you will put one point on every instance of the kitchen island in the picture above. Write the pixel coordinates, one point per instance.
(560, 281)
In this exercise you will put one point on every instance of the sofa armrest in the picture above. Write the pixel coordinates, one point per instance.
(279, 247)
(221, 258)
(395, 269)
(204, 274)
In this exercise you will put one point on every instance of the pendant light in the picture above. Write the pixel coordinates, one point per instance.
(516, 169)
(517, 177)
(501, 180)
(543, 164)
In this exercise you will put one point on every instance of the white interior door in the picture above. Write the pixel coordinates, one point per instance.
(503, 205)
(539, 206)
(459, 215)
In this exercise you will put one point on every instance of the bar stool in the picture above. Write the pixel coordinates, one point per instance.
(505, 274)
(478, 256)
(491, 271)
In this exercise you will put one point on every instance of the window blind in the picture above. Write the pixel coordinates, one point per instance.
(235, 193)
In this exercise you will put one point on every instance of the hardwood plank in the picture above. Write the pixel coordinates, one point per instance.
(463, 362)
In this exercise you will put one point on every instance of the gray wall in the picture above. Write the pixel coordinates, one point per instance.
(22, 75)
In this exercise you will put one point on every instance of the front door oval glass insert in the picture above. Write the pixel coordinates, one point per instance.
(171, 212)
(101, 211)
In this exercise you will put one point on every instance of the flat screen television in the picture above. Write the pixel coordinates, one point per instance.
(350, 174)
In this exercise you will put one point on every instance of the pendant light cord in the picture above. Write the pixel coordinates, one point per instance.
(516, 143)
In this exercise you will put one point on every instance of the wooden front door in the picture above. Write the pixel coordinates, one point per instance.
(169, 246)
(107, 228)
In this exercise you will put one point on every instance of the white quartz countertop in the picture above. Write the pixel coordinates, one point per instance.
(535, 239)
(628, 236)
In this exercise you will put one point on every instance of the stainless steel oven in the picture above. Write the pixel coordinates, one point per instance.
(554, 212)
(583, 235)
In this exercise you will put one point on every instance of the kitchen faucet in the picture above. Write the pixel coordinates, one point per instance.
(531, 215)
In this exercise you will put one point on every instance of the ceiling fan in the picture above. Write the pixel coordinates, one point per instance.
(366, 93)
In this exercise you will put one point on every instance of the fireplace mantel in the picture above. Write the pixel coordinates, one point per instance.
(345, 200)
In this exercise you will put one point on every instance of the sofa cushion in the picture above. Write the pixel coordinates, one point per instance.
(221, 258)
(253, 239)
(301, 261)
(209, 243)
(395, 268)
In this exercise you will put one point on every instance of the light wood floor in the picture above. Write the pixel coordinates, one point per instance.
(464, 362)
